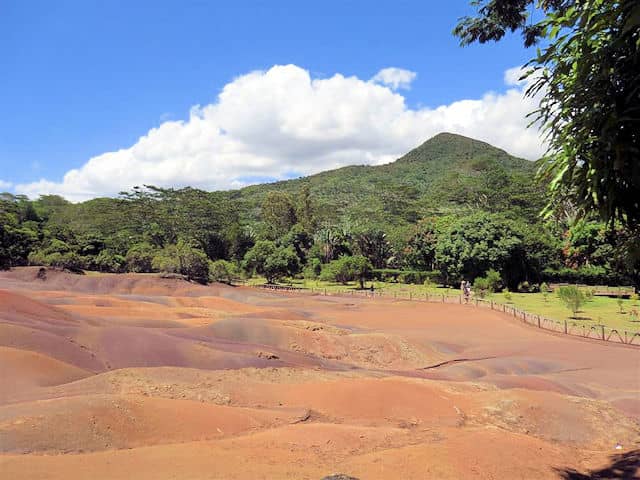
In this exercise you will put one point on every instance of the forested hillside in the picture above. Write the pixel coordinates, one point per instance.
(448, 173)
(452, 208)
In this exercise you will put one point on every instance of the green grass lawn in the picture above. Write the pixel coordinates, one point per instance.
(597, 311)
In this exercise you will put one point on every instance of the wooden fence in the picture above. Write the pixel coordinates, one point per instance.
(595, 332)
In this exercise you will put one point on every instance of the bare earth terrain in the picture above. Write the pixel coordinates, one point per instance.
(138, 377)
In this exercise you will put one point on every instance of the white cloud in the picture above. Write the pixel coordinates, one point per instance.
(5, 185)
(394, 78)
(513, 76)
(276, 122)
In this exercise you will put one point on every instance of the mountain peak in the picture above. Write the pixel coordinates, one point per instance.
(451, 145)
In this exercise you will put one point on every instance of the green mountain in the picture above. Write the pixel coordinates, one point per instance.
(446, 174)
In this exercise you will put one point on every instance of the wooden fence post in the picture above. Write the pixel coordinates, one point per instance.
(565, 326)
(602, 327)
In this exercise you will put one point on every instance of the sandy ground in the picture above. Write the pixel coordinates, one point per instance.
(134, 376)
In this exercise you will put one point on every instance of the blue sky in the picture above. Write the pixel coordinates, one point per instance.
(82, 78)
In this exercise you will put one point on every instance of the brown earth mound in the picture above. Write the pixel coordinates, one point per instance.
(136, 376)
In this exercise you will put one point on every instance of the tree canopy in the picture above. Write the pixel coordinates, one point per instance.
(588, 74)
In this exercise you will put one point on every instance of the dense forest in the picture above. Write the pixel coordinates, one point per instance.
(450, 209)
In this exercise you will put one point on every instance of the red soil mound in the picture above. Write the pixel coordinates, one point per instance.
(22, 370)
(100, 422)
(262, 385)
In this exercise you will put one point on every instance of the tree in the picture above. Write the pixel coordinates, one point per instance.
(265, 258)
(472, 245)
(108, 261)
(222, 271)
(374, 245)
(306, 210)
(348, 268)
(185, 259)
(278, 214)
(282, 262)
(16, 241)
(420, 250)
(588, 76)
(572, 297)
(139, 258)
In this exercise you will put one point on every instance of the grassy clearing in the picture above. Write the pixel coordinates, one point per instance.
(597, 311)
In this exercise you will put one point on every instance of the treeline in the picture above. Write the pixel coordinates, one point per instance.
(209, 236)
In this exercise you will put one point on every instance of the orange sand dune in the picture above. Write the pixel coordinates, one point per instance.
(135, 376)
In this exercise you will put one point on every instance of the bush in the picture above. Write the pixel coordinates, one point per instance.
(524, 287)
(415, 277)
(588, 275)
(347, 268)
(494, 280)
(507, 295)
(139, 258)
(183, 259)
(481, 286)
(223, 271)
(313, 269)
(572, 297)
(107, 261)
(69, 260)
(265, 258)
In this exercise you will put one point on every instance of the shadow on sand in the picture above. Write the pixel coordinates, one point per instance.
(624, 466)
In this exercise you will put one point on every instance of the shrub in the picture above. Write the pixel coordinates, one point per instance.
(347, 268)
(107, 261)
(481, 286)
(222, 271)
(507, 295)
(139, 258)
(524, 287)
(572, 297)
(494, 280)
(183, 259)
(313, 269)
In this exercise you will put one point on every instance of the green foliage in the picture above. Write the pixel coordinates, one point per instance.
(487, 284)
(223, 271)
(139, 258)
(481, 286)
(473, 245)
(182, 258)
(16, 241)
(373, 245)
(587, 77)
(348, 268)
(108, 261)
(418, 252)
(507, 295)
(494, 280)
(447, 183)
(265, 258)
(313, 269)
(278, 214)
(572, 297)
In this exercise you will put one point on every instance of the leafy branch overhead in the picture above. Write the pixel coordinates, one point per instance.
(587, 72)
